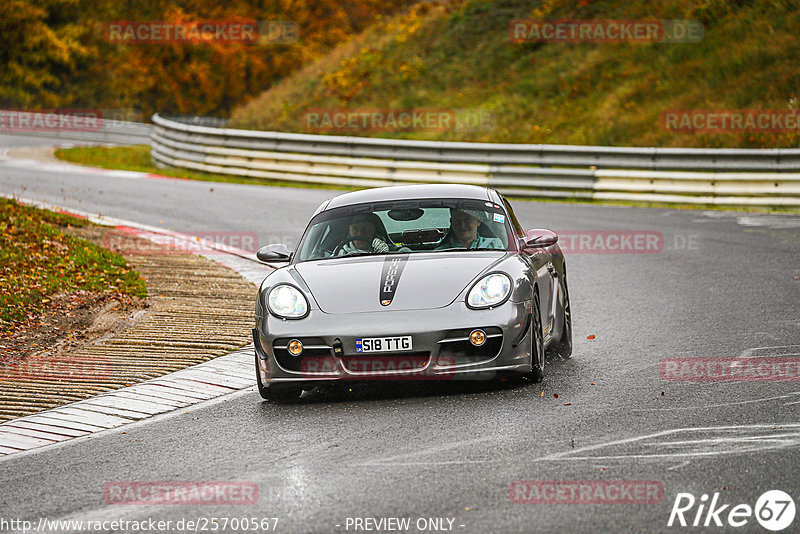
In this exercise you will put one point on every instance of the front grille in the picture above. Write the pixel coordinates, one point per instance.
(380, 363)
(456, 349)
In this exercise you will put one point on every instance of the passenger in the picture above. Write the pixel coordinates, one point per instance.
(464, 232)
(364, 227)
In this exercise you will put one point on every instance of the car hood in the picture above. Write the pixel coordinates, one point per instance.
(426, 280)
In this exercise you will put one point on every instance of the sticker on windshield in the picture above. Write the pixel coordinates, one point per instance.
(499, 218)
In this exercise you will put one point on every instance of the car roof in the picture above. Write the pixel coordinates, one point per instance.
(410, 192)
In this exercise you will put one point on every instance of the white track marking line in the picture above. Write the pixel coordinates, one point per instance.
(714, 405)
(433, 462)
(775, 437)
(391, 460)
(682, 464)
(22, 163)
(777, 350)
(570, 455)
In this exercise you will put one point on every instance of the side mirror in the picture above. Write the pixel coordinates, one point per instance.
(274, 254)
(539, 238)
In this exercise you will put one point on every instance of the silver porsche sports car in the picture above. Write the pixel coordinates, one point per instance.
(412, 282)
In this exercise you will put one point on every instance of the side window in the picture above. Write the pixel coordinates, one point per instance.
(514, 222)
(314, 240)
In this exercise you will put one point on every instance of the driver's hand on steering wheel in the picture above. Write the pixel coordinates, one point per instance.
(375, 244)
(379, 246)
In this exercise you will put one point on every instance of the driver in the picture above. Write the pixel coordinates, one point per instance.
(364, 228)
(464, 231)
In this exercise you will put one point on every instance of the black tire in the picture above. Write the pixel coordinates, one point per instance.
(276, 392)
(563, 347)
(536, 374)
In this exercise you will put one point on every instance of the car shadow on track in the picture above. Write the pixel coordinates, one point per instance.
(400, 389)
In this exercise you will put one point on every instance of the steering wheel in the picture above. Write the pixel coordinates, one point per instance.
(346, 240)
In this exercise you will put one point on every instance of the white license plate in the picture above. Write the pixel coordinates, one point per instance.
(383, 344)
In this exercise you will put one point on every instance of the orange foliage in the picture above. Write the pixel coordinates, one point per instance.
(59, 55)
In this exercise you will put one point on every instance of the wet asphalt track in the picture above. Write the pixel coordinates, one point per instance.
(724, 283)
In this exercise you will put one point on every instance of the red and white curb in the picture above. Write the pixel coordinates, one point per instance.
(215, 378)
(58, 167)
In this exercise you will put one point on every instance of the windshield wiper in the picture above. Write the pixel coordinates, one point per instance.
(357, 254)
(468, 249)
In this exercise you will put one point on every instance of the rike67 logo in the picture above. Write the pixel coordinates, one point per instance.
(774, 511)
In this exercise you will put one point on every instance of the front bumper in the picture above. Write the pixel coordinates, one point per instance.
(440, 348)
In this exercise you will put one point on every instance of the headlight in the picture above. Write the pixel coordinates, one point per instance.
(491, 290)
(287, 302)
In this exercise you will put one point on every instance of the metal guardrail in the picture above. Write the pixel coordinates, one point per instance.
(104, 131)
(766, 177)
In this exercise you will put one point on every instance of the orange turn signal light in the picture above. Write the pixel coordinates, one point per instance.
(295, 347)
(477, 337)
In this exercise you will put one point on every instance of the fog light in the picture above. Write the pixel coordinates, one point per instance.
(295, 347)
(477, 337)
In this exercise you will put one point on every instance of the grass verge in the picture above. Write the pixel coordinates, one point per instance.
(137, 158)
(38, 260)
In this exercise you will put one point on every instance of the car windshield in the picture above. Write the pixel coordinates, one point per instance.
(407, 226)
